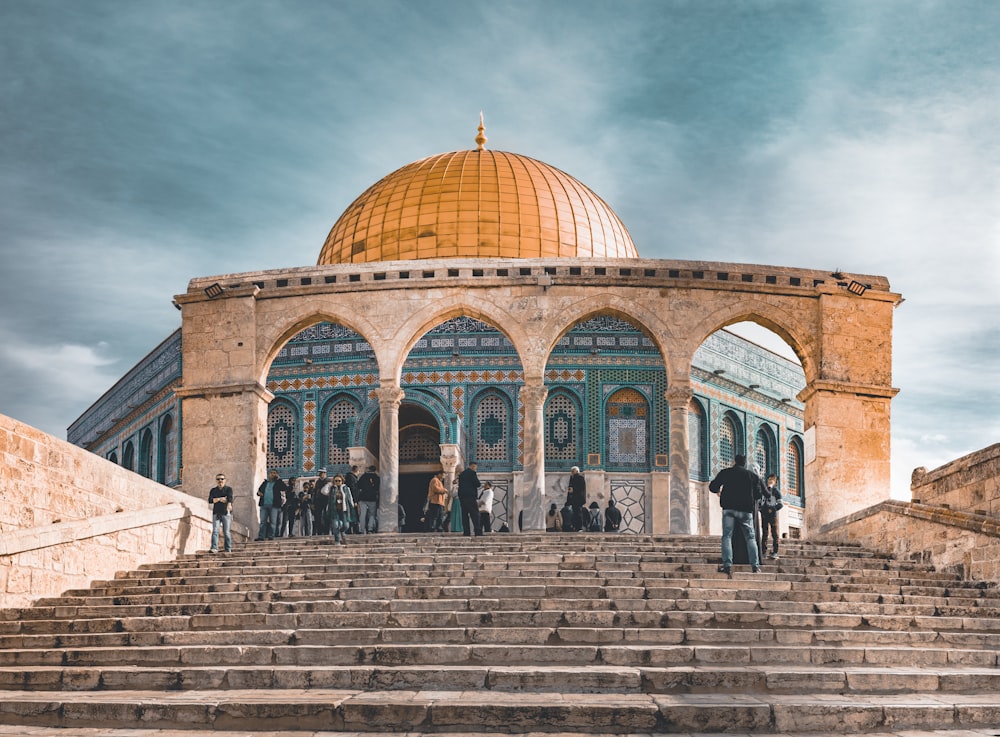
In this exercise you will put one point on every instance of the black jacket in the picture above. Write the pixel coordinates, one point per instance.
(741, 488)
(280, 487)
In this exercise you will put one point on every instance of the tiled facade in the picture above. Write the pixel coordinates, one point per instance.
(606, 409)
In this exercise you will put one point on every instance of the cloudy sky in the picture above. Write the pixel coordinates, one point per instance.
(143, 143)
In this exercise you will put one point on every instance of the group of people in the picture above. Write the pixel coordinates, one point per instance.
(742, 496)
(338, 505)
(576, 516)
(466, 508)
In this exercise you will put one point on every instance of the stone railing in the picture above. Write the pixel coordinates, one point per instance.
(946, 538)
(968, 484)
(70, 517)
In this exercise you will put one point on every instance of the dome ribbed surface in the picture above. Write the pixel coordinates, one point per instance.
(476, 204)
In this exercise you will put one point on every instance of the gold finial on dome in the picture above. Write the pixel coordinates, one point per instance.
(481, 136)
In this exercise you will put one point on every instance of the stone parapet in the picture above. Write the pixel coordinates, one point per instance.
(945, 538)
(968, 484)
(70, 517)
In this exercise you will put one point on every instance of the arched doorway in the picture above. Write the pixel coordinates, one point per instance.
(419, 460)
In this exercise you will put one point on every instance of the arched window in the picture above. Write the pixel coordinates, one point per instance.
(340, 420)
(562, 444)
(166, 457)
(146, 453)
(793, 473)
(113, 457)
(763, 452)
(697, 464)
(729, 440)
(281, 435)
(627, 416)
(492, 428)
(128, 456)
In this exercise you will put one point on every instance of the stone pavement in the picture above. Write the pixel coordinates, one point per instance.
(508, 634)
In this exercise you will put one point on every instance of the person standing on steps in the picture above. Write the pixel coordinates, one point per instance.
(576, 497)
(485, 504)
(437, 500)
(769, 506)
(321, 497)
(271, 495)
(468, 491)
(369, 486)
(338, 511)
(351, 479)
(221, 498)
(739, 489)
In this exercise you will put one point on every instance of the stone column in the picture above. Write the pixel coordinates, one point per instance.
(389, 398)
(846, 449)
(679, 398)
(225, 431)
(451, 456)
(533, 460)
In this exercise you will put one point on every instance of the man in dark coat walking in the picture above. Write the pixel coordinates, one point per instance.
(740, 489)
(468, 493)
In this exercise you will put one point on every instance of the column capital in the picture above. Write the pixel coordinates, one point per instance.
(389, 396)
(678, 394)
(533, 395)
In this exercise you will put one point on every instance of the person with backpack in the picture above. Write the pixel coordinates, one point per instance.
(568, 518)
(770, 503)
(595, 520)
(553, 519)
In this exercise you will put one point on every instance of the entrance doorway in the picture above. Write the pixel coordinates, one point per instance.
(412, 495)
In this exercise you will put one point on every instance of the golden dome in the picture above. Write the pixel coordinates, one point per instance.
(476, 204)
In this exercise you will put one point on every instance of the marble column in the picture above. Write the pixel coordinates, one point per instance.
(389, 398)
(533, 459)
(678, 396)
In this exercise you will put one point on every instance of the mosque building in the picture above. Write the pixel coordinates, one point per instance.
(436, 230)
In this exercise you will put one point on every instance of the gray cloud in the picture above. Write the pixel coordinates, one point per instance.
(146, 143)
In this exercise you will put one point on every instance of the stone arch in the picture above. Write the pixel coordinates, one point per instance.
(776, 319)
(438, 312)
(273, 336)
(437, 409)
(648, 322)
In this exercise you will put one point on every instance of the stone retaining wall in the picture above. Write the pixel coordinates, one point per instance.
(70, 517)
(946, 538)
(968, 484)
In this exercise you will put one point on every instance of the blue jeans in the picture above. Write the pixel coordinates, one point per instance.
(368, 516)
(337, 526)
(731, 518)
(268, 521)
(225, 521)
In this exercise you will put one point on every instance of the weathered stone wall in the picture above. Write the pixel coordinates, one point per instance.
(70, 517)
(943, 537)
(968, 484)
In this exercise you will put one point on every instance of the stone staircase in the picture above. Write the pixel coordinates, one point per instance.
(558, 633)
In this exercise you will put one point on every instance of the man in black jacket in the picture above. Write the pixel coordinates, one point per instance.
(468, 493)
(740, 489)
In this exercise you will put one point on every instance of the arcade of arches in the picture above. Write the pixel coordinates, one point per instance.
(235, 327)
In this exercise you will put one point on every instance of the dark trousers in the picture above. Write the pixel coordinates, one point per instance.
(470, 516)
(435, 516)
(769, 522)
(485, 522)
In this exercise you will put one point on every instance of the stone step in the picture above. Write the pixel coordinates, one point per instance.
(654, 632)
(460, 652)
(774, 679)
(495, 711)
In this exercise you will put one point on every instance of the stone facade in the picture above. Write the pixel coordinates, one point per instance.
(235, 325)
(968, 484)
(69, 517)
(945, 538)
